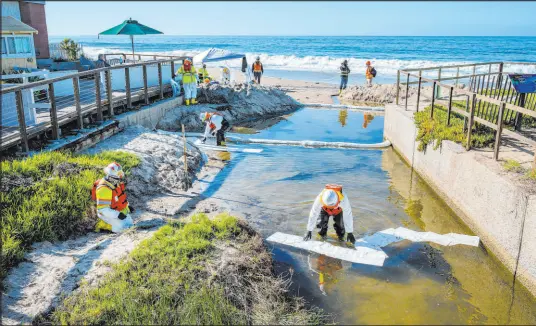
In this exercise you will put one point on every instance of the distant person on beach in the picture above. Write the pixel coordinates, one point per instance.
(331, 202)
(345, 71)
(370, 73)
(258, 70)
(189, 81)
(216, 125)
(225, 75)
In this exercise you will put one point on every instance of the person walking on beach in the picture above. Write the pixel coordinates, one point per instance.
(189, 81)
(370, 73)
(345, 71)
(258, 70)
(331, 202)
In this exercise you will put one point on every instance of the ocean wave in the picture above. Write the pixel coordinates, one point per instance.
(324, 64)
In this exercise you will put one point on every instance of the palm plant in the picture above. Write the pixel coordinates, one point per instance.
(71, 49)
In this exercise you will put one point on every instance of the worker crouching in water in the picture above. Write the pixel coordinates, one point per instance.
(216, 125)
(331, 202)
(189, 81)
(112, 204)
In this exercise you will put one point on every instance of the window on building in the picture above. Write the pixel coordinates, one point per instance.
(4, 46)
(17, 46)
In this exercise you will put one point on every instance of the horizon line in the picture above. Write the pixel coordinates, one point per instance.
(267, 35)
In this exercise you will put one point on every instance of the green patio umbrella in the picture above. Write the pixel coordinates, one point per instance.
(130, 27)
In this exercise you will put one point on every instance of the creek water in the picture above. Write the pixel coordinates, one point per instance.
(420, 283)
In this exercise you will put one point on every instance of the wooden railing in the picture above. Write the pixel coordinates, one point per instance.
(89, 93)
(489, 98)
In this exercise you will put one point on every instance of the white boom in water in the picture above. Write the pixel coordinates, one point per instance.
(368, 249)
(227, 148)
(310, 143)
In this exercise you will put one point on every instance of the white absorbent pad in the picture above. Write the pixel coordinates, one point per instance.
(359, 254)
(227, 148)
(368, 249)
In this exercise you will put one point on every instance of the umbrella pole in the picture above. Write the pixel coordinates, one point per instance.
(132, 41)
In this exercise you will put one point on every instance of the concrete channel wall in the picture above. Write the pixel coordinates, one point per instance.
(496, 207)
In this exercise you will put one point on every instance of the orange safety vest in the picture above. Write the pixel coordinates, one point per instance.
(257, 67)
(119, 196)
(335, 209)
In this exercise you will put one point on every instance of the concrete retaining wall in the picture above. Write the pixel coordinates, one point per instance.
(491, 203)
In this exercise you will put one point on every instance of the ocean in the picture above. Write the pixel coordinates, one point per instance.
(317, 58)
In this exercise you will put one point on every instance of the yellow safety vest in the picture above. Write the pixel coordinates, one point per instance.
(203, 72)
(187, 76)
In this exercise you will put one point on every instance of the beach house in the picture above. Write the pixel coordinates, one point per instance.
(24, 34)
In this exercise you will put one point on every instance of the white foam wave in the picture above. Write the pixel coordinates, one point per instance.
(326, 64)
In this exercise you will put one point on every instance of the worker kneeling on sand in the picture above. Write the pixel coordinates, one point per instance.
(112, 204)
(189, 81)
(331, 202)
(216, 126)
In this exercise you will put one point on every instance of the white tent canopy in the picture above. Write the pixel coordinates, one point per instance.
(214, 55)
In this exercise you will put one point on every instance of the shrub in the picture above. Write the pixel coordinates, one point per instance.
(434, 131)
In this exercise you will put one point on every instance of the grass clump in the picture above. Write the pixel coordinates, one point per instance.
(207, 271)
(513, 166)
(434, 131)
(46, 197)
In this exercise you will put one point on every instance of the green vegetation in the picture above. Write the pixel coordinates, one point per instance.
(47, 197)
(436, 129)
(202, 272)
(515, 166)
(71, 49)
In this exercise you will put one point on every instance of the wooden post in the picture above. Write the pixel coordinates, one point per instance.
(154, 57)
(79, 119)
(53, 112)
(124, 58)
(499, 78)
(407, 91)
(172, 68)
(127, 88)
(397, 85)
(160, 84)
(145, 90)
(466, 110)
(139, 57)
(433, 100)
(22, 121)
(470, 123)
(519, 116)
(100, 116)
(109, 94)
(450, 105)
(187, 183)
(499, 131)
(419, 91)
(439, 75)
(457, 75)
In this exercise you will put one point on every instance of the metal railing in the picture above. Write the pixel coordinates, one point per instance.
(59, 101)
(138, 56)
(488, 98)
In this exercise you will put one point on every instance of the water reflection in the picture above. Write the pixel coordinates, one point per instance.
(367, 118)
(343, 114)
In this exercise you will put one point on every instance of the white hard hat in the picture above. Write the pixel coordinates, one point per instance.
(258, 58)
(330, 198)
(114, 171)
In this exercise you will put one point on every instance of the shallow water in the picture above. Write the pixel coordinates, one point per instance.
(420, 283)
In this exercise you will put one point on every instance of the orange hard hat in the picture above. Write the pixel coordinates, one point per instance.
(368, 63)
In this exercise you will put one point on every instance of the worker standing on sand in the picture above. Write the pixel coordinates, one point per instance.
(345, 71)
(189, 81)
(216, 125)
(112, 205)
(331, 202)
(258, 70)
(203, 74)
(370, 73)
(225, 75)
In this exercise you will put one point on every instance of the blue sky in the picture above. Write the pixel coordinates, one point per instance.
(298, 18)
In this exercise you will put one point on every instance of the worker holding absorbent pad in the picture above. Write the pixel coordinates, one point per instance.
(331, 202)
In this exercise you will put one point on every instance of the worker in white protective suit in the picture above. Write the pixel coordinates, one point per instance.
(216, 125)
(112, 205)
(225, 75)
(331, 202)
